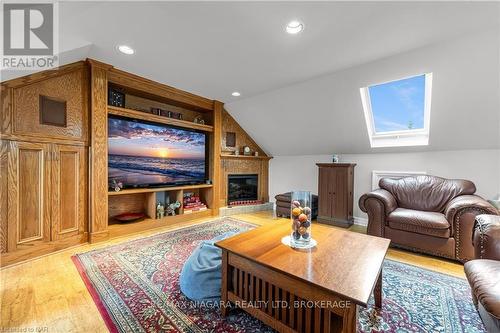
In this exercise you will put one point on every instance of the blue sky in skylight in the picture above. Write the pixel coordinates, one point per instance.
(398, 105)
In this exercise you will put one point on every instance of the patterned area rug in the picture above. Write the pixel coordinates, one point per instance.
(135, 286)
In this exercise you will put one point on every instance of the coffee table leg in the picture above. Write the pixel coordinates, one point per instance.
(350, 320)
(224, 284)
(377, 292)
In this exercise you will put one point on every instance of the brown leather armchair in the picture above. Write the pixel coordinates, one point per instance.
(483, 273)
(426, 214)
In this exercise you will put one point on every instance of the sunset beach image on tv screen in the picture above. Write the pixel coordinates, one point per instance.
(148, 154)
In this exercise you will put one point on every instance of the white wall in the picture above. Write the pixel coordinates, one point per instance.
(325, 114)
(301, 173)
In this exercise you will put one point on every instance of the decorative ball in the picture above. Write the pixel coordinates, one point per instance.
(296, 235)
(296, 224)
(302, 230)
(302, 217)
(296, 203)
(307, 210)
(306, 224)
(296, 211)
(305, 235)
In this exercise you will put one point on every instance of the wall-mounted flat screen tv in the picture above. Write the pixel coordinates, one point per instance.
(145, 154)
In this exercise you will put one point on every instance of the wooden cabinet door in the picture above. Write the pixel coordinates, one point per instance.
(28, 194)
(339, 194)
(69, 191)
(324, 190)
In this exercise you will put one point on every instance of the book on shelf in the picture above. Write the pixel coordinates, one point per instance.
(192, 203)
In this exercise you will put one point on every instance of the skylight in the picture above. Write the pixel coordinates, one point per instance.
(397, 112)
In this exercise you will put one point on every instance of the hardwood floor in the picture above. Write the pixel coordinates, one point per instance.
(48, 294)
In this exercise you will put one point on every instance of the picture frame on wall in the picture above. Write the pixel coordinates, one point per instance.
(231, 139)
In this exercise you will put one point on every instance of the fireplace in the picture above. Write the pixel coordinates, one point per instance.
(242, 188)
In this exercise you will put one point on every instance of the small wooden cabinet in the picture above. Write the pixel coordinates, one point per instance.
(335, 193)
(47, 197)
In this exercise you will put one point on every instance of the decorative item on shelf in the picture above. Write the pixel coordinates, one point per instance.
(192, 203)
(116, 186)
(199, 120)
(246, 151)
(335, 158)
(237, 152)
(172, 207)
(256, 153)
(166, 113)
(160, 211)
(176, 115)
(301, 203)
(116, 98)
(129, 217)
(208, 182)
(155, 111)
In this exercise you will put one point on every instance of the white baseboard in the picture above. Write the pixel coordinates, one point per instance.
(362, 221)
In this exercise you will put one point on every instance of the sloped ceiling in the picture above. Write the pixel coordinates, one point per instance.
(325, 115)
(290, 104)
(215, 48)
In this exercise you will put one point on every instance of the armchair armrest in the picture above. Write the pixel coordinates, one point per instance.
(385, 197)
(377, 204)
(461, 213)
(486, 237)
(470, 202)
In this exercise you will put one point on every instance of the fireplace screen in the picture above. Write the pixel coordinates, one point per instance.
(242, 187)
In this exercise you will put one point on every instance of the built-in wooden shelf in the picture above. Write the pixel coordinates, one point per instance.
(117, 111)
(248, 157)
(159, 189)
(120, 229)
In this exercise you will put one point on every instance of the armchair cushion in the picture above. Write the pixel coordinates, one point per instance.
(426, 223)
(426, 193)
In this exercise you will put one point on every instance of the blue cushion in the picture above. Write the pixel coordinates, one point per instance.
(200, 278)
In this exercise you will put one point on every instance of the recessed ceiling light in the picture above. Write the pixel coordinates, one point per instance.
(126, 49)
(236, 94)
(294, 27)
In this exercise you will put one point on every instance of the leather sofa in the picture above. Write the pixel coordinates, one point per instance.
(283, 202)
(426, 214)
(483, 273)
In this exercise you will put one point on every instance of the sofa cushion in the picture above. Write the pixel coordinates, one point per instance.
(428, 193)
(484, 278)
(426, 223)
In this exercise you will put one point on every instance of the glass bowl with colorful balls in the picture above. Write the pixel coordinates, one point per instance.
(301, 218)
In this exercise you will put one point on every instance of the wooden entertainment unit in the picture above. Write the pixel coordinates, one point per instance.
(140, 96)
(54, 165)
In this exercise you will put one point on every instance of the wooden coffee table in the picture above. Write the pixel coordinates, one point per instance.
(316, 290)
